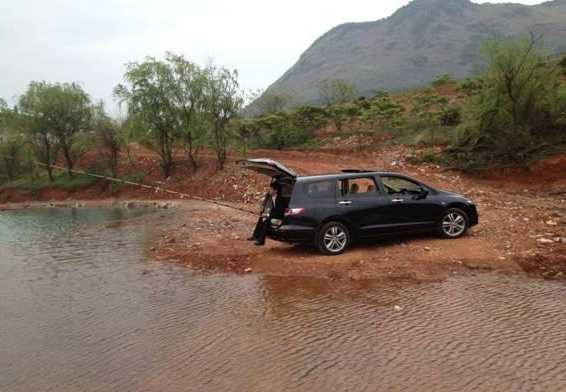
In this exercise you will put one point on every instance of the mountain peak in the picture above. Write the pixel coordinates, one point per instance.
(450, 6)
(445, 7)
(420, 41)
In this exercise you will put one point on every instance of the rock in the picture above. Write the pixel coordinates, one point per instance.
(152, 249)
(551, 223)
(428, 249)
(544, 241)
(397, 308)
(248, 270)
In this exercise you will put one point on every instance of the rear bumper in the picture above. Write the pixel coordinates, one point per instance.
(292, 234)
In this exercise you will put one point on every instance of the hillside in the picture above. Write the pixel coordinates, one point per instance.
(420, 41)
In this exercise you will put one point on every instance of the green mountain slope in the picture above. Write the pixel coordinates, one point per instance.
(417, 43)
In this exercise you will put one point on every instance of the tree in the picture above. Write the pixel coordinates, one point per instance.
(108, 137)
(11, 148)
(12, 141)
(336, 91)
(57, 114)
(519, 106)
(223, 102)
(188, 87)
(150, 98)
(169, 98)
(520, 97)
(245, 130)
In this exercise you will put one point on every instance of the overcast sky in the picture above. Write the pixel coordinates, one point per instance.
(90, 41)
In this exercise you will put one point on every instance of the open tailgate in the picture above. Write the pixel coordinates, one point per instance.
(268, 167)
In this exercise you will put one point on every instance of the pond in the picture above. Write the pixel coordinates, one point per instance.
(83, 307)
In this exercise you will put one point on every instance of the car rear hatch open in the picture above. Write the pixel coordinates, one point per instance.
(269, 168)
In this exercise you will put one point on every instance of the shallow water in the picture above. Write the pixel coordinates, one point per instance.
(84, 308)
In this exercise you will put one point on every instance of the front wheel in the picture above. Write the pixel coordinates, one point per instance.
(333, 238)
(454, 223)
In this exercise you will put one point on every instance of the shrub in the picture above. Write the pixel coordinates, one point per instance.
(450, 116)
(519, 105)
(442, 80)
(471, 86)
(563, 65)
(278, 131)
(310, 117)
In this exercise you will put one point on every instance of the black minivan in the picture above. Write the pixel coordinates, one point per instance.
(332, 211)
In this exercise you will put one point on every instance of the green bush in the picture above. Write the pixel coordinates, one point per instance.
(563, 65)
(519, 106)
(310, 117)
(279, 131)
(442, 80)
(470, 86)
(450, 116)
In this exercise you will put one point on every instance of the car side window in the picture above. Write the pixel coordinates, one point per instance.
(398, 185)
(320, 190)
(357, 187)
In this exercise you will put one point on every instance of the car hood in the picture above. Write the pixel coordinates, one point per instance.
(453, 194)
(268, 167)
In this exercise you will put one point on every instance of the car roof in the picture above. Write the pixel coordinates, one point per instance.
(348, 174)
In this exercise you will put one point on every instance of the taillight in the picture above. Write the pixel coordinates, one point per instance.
(294, 211)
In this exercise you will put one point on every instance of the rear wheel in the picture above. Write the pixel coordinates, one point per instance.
(333, 238)
(454, 223)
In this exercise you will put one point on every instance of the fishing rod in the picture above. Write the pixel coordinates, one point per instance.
(157, 189)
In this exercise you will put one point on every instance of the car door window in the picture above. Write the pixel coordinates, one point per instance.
(398, 185)
(354, 187)
(320, 190)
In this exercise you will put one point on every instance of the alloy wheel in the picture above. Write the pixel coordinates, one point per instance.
(453, 224)
(335, 239)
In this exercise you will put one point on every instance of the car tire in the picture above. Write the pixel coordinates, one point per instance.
(454, 223)
(333, 238)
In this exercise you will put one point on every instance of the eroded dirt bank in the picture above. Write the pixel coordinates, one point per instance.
(522, 220)
(214, 238)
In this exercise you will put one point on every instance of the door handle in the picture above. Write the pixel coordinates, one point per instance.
(345, 203)
(397, 201)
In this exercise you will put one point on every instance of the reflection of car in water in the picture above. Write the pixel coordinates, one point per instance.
(334, 210)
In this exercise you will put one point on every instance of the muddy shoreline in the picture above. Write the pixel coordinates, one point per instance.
(209, 237)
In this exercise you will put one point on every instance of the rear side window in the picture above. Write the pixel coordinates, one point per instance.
(320, 190)
(357, 186)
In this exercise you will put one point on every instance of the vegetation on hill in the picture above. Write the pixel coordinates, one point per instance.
(515, 110)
